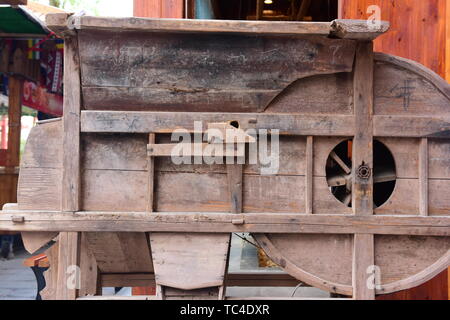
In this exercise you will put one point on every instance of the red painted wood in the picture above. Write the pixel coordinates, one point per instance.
(159, 8)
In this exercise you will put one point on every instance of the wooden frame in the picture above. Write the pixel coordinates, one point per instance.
(179, 274)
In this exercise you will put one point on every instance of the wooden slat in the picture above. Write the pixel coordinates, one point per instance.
(423, 177)
(242, 279)
(71, 132)
(14, 124)
(151, 176)
(357, 29)
(223, 222)
(234, 176)
(201, 26)
(69, 243)
(354, 29)
(288, 124)
(362, 189)
(68, 259)
(309, 175)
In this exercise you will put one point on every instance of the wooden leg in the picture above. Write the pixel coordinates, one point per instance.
(68, 276)
(362, 186)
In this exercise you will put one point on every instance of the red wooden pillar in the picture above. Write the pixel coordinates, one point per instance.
(159, 8)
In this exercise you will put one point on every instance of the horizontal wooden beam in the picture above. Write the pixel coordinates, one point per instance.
(27, 220)
(287, 124)
(166, 122)
(232, 279)
(349, 29)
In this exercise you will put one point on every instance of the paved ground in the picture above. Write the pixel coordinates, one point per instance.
(17, 282)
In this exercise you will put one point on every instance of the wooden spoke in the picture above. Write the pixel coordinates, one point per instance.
(340, 162)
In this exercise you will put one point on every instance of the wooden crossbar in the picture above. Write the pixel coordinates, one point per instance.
(223, 222)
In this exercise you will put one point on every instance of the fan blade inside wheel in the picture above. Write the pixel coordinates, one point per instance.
(384, 175)
(340, 162)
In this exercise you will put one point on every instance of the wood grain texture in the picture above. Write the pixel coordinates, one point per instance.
(68, 258)
(309, 175)
(238, 73)
(416, 28)
(116, 252)
(71, 127)
(89, 273)
(423, 177)
(158, 8)
(199, 263)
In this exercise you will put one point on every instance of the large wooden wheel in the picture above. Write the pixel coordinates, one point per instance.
(335, 262)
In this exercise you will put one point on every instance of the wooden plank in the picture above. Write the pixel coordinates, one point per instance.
(224, 26)
(315, 125)
(166, 122)
(363, 258)
(242, 279)
(51, 275)
(362, 190)
(223, 222)
(14, 116)
(362, 165)
(71, 131)
(89, 273)
(199, 263)
(235, 186)
(33, 241)
(202, 26)
(68, 260)
(309, 175)
(423, 177)
(151, 176)
(176, 79)
(120, 251)
(357, 29)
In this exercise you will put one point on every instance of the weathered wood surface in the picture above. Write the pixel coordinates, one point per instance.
(243, 279)
(189, 261)
(202, 221)
(210, 73)
(115, 172)
(362, 161)
(294, 124)
(120, 252)
(352, 29)
(71, 127)
(357, 29)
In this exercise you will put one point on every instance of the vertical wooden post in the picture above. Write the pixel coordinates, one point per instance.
(309, 175)
(14, 130)
(14, 123)
(423, 177)
(69, 242)
(234, 175)
(68, 274)
(259, 9)
(151, 176)
(362, 188)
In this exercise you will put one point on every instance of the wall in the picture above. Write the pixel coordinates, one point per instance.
(418, 29)
(159, 8)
